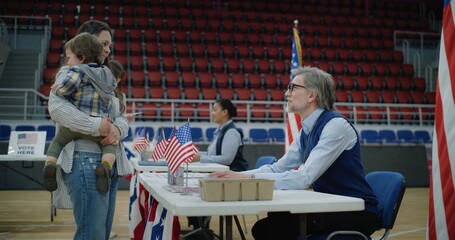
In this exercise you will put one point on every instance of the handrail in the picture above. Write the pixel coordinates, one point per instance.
(170, 110)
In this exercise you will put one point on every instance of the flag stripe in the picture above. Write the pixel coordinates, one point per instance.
(441, 220)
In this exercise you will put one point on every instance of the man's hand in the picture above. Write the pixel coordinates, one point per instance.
(105, 127)
(113, 138)
(229, 174)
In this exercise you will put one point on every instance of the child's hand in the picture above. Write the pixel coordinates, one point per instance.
(54, 87)
(105, 127)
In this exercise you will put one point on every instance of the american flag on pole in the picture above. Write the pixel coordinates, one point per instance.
(141, 142)
(160, 143)
(441, 215)
(180, 148)
(293, 121)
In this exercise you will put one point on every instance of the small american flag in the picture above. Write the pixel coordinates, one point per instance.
(27, 138)
(141, 142)
(180, 148)
(160, 144)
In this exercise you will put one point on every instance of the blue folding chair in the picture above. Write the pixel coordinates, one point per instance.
(422, 136)
(196, 134)
(277, 134)
(264, 160)
(370, 136)
(259, 135)
(50, 131)
(406, 136)
(209, 134)
(5, 132)
(388, 136)
(389, 188)
(25, 128)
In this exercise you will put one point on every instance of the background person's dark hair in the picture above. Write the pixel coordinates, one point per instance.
(118, 71)
(85, 47)
(229, 106)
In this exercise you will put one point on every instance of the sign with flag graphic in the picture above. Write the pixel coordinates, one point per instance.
(30, 143)
(141, 141)
(160, 143)
(441, 217)
(180, 148)
(293, 121)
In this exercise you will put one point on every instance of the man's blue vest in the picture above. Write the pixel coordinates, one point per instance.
(346, 175)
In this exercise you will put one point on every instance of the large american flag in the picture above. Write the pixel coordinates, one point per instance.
(141, 142)
(160, 143)
(293, 124)
(180, 148)
(441, 216)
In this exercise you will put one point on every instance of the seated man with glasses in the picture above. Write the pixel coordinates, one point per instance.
(325, 157)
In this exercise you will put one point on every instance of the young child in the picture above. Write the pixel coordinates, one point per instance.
(90, 87)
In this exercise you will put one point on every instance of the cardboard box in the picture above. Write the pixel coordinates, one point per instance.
(216, 190)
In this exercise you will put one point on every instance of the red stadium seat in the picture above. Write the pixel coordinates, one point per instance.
(205, 79)
(243, 94)
(222, 80)
(430, 97)
(362, 83)
(391, 83)
(342, 96)
(227, 93)
(276, 94)
(201, 64)
(209, 93)
(372, 96)
(156, 92)
(217, 65)
(270, 80)
(405, 83)
(137, 77)
(403, 96)
(248, 65)
(420, 84)
(357, 96)
(174, 93)
(347, 82)
(417, 97)
(186, 110)
(254, 80)
(188, 79)
(377, 83)
(171, 78)
(388, 96)
(238, 80)
(138, 92)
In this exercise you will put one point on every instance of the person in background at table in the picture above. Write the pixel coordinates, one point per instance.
(227, 145)
(93, 211)
(90, 87)
(325, 157)
(119, 73)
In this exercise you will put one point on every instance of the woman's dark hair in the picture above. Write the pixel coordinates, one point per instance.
(94, 27)
(229, 106)
(118, 71)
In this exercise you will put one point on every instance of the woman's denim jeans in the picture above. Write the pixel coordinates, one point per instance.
(93, 211)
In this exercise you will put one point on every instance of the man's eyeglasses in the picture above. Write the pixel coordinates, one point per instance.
(291, 86)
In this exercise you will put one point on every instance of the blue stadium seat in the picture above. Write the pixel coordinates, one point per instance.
(277, 134)
(406, 136)
(196, 134)
(50, 129)
(422, 136)
(209, 134)
(25, 128)
(167, 132)
(388, 136)
(259, 135)
(149, 130)
(129, 138)
(263, 160)
(5, 132)
(370, 136)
